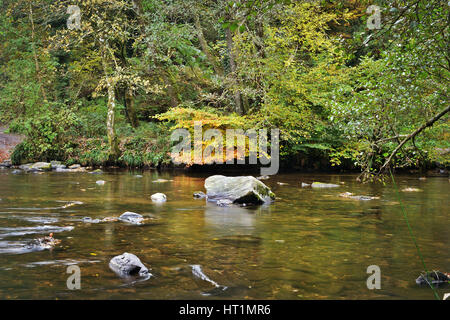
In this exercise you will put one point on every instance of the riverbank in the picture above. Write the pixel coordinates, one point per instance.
(149, 149)
(233, 170)
(7, 143)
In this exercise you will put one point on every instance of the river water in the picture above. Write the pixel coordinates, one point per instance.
(308, 244)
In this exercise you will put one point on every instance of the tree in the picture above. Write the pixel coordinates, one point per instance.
(108, 29)
(395, 95)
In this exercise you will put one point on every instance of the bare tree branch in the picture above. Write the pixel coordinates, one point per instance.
(429, 123)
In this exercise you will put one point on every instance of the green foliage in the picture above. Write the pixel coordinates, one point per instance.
(149, 147)
(337, 91)
(48, 136)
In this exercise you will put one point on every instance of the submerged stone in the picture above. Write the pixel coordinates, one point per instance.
(90, 220)
(110, 219)
(245, 189)
(433, 277)
(350, 195)
(161, 180)
(198, 273)
(44, 243)
(411, 190)
(304, 185)
(224, 203)
(199, 195)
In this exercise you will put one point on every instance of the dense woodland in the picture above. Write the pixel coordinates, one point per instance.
(342, 94)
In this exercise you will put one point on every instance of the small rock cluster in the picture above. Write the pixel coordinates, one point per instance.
(56, 166)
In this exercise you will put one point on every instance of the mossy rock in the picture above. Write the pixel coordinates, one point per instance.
(246, 189)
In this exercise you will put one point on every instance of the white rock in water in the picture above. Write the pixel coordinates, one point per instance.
(131, 217)
(159, 197)
(304, 185)
(127, 264)
(161, 181)
(100, 182)
(323, 185)
(90, 220)
(411, 190)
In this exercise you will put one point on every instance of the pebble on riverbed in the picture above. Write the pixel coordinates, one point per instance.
(199, 195)
(47, 242)
(304, 185)
(90, 220)
(411, 190)
(98, 171)
(224, 203)
(433, 277)
(161, 181)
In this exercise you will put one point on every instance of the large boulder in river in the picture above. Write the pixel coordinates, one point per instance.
(127, 265)
(245, 189)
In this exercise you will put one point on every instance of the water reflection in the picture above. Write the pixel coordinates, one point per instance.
(233, 220)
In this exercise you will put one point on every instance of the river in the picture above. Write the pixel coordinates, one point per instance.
(308, 244)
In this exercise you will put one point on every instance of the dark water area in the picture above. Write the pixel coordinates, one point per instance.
(308, 244)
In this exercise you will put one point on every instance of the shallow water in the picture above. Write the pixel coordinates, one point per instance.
(308, 244)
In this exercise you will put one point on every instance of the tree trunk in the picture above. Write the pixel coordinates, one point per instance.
(110, 123)
(237, 94)
(36, 62)
(201, 38)
(129, 107)
(170, 90)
